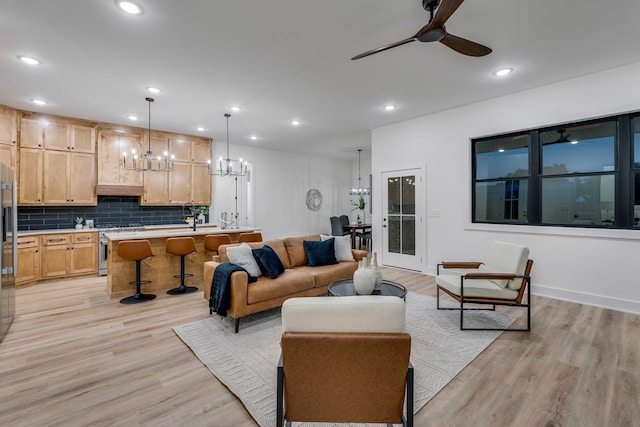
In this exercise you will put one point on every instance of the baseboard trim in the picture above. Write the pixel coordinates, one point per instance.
(585, 298)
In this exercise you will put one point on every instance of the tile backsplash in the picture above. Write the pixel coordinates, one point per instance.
(110, 211)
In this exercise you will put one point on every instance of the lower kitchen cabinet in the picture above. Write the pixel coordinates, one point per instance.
(69, 254)
(28, 259)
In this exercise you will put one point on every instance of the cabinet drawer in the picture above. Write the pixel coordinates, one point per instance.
(84, 237)
(55, 239)
(28, 242)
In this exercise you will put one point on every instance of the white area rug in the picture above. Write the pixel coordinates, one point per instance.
(246, 362)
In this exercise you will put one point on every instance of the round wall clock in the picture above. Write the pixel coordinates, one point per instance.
(313, 199)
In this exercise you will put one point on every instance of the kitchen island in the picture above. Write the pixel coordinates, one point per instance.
(160, 268)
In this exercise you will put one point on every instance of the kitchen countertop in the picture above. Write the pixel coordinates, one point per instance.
(182, 226)
(57, 231)
(186, 231)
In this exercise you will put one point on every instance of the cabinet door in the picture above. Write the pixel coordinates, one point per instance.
(82, 179)
(156, 188)
(31, 133)
(180, 184)
(28, 265)
(109, 158)
(8, 128)
(201, 151)
(83, 258)
(83, 139)
(181, 148)
(55, 260)
(130, 177)
(200, 184)
(56, 136)
(8, 155)
(30, 184)
(56, 178)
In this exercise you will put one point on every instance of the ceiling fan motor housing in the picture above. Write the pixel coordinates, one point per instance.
(433, 35)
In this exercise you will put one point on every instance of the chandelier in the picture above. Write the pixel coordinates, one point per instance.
(162, 163)
(359, 190)
(228, 166)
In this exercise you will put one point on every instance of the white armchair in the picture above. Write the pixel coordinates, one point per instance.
(500, 280)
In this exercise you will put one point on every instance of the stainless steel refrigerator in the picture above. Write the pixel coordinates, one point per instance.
(9, 253)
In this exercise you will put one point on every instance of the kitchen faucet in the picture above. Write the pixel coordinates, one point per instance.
(191, 210)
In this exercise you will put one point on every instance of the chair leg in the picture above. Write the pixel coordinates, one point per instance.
(182, 289)
(236, 324)
(139, 296)
(409, 415)
(280, 395)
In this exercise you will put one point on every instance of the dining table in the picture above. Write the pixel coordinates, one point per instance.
(354, 227)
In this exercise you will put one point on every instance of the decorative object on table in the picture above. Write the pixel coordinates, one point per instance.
(223, 220)
(378, 272)
(228, 166)
(165, 163)
(78, 220)
(313, 199)
(88, 223)
(359, 204)
(364, 278)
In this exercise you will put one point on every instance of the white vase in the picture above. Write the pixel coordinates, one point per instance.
(79, 226)
(364, 279)
(377, 270)
(201, 219)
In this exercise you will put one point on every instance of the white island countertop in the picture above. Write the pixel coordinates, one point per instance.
(160, 233)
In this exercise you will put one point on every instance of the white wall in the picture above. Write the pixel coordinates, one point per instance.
(280, 182)
(598, 267)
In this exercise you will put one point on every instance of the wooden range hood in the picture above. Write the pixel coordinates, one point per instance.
(119, 190)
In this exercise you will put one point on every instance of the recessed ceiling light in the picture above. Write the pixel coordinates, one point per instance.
(153, 89)
(39, 101)
(389, 107)
(253, 137)
(235, 108)
(200, 129)
(130, 7)
(295, 122)
(502, 72)
(29, 60)
(132, 117)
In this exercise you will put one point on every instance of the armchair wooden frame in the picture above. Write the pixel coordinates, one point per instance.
(462, 299)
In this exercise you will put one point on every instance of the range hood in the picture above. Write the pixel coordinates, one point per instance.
(119, 190)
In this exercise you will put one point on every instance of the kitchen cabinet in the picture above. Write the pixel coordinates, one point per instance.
(57, 134)
(31, 176)
(69, 178)
(8, 136)
(69, 254)
(31, 133)
(200, 184)
(28, 259)
(111, 170)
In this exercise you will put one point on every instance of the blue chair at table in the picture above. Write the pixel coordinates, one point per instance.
(336, 227)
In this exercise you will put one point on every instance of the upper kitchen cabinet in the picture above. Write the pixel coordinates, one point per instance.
(71, 178)
(201, 151)
(8, 136)
(180, 147)
(111, 171)
(56, 133)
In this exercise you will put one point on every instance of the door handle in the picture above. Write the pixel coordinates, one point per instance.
(384, 225)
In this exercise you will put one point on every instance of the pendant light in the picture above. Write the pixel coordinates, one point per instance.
(162, 163)
(359, 190)
(228, 166)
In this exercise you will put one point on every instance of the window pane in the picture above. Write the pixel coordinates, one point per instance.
(636, 142)
(394, 234)
(408, 235)
(584, 148)
(636, 201)
(502, 201)
(408, 194)
(584, 200)
(502, 157)
(393, 194)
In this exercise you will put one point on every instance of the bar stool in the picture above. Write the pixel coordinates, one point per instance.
(136, 250)
(250, 237)
(212, 241)
(181, 246)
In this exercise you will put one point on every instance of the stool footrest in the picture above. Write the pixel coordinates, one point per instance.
(142, 282)
(180, 276)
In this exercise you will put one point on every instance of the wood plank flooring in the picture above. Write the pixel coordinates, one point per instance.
(76, 357)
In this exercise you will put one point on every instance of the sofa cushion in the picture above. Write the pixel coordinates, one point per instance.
(475, 288)
(324, 275)
(288, 283)
(342, 246)
(268, 261)
(320, 253)
(295, 249)
(277, 245)
(241, 255)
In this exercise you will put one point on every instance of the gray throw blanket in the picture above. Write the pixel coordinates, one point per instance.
(220, 295)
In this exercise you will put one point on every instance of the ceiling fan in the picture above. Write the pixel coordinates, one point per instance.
(435, 31)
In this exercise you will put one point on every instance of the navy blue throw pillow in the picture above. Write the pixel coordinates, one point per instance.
(268, 261)
(320, 253)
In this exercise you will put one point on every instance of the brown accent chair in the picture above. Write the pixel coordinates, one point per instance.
(345, 360)
(500, 280)
(250, 237)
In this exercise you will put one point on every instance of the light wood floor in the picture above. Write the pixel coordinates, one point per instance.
(75, 357)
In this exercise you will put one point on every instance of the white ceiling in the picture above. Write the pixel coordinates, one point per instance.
(285, 59)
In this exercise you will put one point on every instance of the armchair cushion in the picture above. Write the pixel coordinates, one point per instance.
(320, 253)
(476, 288)
(506, 257)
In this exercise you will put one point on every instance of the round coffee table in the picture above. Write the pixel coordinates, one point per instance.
(343, 288)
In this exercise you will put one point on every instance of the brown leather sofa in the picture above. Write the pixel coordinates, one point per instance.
(298, 279)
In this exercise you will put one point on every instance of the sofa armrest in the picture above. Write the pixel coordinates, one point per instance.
(238, 278)
(358, 254)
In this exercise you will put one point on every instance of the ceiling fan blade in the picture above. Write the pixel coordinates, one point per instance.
(464, 46)
(444, 12)
(383, 48)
